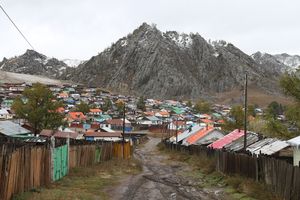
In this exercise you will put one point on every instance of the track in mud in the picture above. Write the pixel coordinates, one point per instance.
(162, 180)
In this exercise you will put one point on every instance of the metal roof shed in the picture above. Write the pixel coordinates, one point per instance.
(255, 147)
(238, 144)
(295, 143)
(227, 139)
(9, 128)
(273, 148)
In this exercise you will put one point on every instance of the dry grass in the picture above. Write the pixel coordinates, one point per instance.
(255, 96)
(204, 168)
(86, 183)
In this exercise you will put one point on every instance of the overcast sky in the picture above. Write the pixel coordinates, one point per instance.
(82, 28)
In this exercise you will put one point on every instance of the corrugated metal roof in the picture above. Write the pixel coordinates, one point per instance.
(219, 144)
(295, 142)
(9, 128)
(272, 148)
(199, 134)
(238, 144)
(259, 144)
(189, 132)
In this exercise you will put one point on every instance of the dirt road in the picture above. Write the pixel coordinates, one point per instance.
(162, 179)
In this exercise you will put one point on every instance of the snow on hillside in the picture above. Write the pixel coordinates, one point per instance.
(72, 62)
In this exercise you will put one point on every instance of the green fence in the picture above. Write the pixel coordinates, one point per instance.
(97, 155)
(60, 162)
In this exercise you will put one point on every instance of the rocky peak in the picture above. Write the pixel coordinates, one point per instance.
(171, 64)
(32, 62)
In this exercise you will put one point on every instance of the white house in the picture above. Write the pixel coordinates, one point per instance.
(4, 114)
(295, 143)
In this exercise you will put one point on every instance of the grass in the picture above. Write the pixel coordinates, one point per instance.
(203, 168)
(86, 183)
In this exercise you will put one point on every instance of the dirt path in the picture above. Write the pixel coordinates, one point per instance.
(162, 179)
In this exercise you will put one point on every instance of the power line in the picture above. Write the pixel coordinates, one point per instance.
(16, 27)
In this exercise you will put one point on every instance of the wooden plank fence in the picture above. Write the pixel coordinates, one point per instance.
(24, 167)
(281, 176)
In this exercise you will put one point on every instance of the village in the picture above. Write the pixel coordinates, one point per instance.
(101, 122)
(175, 119)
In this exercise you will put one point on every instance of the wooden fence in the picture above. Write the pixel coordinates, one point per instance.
(24, 167)
(282, 177)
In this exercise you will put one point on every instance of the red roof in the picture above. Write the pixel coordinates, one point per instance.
(103, 134)
(58, 134)
(207, 121)
(202, 132)
(77, 116)
(95, 110)
(179, 123)
(220, 143)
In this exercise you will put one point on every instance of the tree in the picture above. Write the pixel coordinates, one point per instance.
(274, 109)
(202, 107)
(291, 86)
(98, 91)
(107, 105)
(83, 107)
(141, 104)
(189, 104)
(251, 110)
(120, 106)
(235, 120)
(40, 109)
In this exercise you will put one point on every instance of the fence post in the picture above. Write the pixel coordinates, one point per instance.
(52, 147)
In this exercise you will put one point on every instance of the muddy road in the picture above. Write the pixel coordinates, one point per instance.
(162, 179)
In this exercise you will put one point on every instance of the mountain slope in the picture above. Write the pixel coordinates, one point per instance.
(163, 65)
(32, 62)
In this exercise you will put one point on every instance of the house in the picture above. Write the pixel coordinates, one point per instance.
(190, 131)
(76, 117)
(7, 103)
(295, 143)
(204, 136)
(148, 120)
(117, 124)
(177, 125)
(5, 114)
(238, 144)
(95, 112)
(59, 134)
(255, 147)
(102, 118)
(162, 114)
(11, 129)
(227, 139)
(105, 136)
(277, 148)
(206, 122)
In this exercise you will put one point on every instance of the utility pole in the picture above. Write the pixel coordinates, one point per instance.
(245, 112)
(124, 131)
(176, 133)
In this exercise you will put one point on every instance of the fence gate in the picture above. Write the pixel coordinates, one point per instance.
(60, 162)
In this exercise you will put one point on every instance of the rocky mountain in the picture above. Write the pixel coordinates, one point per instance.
(32, 62)
(292, 61)
(270, 61)
(169, 64)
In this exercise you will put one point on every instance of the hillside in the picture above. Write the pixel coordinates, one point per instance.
(10, 77)
(173, 65)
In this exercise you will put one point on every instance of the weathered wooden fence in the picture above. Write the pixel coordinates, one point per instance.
(281, 176)
(27, 166)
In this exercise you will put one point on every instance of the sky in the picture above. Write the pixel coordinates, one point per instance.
(80, 29)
